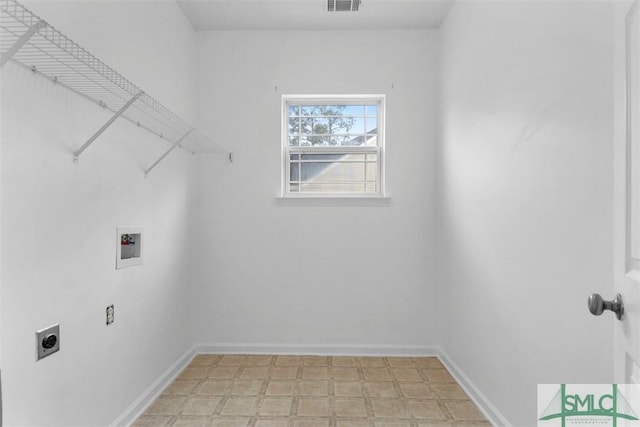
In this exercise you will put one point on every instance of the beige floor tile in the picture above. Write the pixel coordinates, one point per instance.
(280, 388)
(205, 360)
(425, 409)
(313, 388)
(406, 374)
(259, 360)
(391, 423)
(233, 359)
(437, 424)
(167, 405)
(181, 387)
(313, 391)
(371, 362)
(200, 405)
(416, 390)
(350, 408)
(191, 422)
(376, 374)
(194, 372)
(473, 424)
(448, 391)
(231, 422)
(255, 372)
(347, 389)
(438, 375)
(310, 423)
(223, 372)
(400, 362)
(215, 387)
(380, 389)
(246, 387)
(313, 407)
(287, 360)
(344, 361)
(284, 372)
(344, 373)
(240, 406)
(428, 362)
(341, 422)
(315, 373)
(275, 406)
(272, 422)
(388, 408)
(152, 421)
(464, 411)
(315, 361)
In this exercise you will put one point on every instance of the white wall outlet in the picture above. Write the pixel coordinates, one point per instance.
(47, 341)
(110, 313)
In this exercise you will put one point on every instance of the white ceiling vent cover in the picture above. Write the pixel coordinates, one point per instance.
(343, 5)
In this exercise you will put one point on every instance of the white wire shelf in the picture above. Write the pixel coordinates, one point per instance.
(31, 42)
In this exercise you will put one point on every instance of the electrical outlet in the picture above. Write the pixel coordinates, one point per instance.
(110, 313)
(47, 341)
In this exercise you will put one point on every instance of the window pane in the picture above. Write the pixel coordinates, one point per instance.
(293, 126)
(372, 125)
(332, 172)
(372, 110)
(353, 110)
(333, 128)
(328, 157)
(372, 172)
(356, 125)
(332, 187)
(316, 126)
(294, 172)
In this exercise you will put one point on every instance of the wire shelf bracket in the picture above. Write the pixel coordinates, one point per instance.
(32, 43)
(21, 41)
(166, 153)
(76, 155)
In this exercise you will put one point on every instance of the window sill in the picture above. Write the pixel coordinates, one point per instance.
(332, 201)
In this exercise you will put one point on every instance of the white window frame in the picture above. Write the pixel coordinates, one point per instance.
(287, 150)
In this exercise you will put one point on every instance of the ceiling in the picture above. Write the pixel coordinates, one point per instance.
(312, 14)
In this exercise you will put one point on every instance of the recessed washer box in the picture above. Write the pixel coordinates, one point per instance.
(129, 250)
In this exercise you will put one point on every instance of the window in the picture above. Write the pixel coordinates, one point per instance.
(333, 145)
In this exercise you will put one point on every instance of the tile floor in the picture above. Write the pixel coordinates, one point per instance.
(313, 391)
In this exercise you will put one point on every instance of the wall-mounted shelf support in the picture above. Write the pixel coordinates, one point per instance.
(166, 153)
(76, 155)
(21, 41)
(32, 43)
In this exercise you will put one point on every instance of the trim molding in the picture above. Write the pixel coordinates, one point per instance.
(482, 402)
(314, 349)
(147, 397)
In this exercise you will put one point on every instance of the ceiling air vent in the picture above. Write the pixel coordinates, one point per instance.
(343, 5)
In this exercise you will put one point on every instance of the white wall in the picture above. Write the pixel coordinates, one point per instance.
(59, 222)
(526, 195)
(329, 276)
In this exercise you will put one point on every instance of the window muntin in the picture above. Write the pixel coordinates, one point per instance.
(333, 145)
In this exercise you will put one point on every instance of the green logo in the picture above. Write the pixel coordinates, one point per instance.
(584, 406)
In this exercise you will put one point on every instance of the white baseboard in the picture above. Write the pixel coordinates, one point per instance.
(147, 397)
(482, 402)
(314, 349)
(138, 407)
